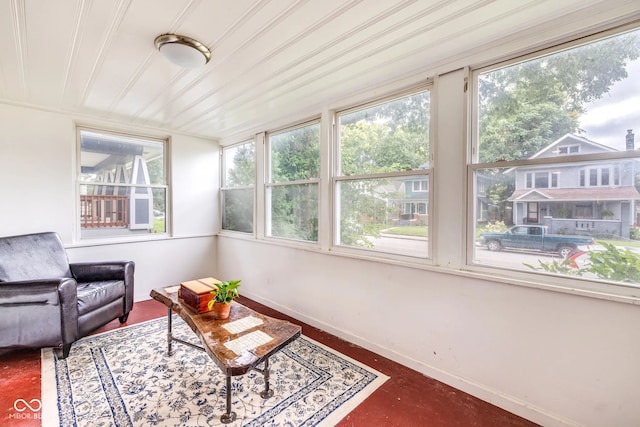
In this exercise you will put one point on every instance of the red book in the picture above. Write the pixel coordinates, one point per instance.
(196, 294)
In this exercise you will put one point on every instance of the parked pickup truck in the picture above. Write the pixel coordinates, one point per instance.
(534, 237)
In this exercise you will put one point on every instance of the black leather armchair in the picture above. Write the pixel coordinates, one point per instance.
(47, 302)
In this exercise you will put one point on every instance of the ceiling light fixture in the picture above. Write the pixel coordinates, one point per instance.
(183, 51)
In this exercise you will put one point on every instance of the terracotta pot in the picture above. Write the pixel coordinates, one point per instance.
(221, 310)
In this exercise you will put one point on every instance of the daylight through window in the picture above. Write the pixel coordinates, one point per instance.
(122, 185)
(382, 185)
(556, 154)
(238, 182)
(292, 189)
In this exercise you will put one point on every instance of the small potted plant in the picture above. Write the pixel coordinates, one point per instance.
(220, 305)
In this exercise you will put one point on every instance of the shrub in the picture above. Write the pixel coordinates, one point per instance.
(495, 227)
(614, 264)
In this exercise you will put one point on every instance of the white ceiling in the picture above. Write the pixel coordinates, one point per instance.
(273, 61)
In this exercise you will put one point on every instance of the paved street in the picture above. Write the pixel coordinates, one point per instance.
(509, 259)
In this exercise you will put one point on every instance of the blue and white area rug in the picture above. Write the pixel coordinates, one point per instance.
(125, 378)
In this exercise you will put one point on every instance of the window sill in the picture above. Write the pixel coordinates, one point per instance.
(129, 240)
(546, 282)
(553, 283)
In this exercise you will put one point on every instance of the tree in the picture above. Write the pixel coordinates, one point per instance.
(374, 147)
(525, 107)
(238, 202)
(295, 156)
(389, 137)
(243, 171)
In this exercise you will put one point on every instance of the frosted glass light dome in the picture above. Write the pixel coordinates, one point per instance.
(183, 51)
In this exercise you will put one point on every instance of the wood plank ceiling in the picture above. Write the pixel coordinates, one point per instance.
(273, 61)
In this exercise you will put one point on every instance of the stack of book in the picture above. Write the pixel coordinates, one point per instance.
(196, 294)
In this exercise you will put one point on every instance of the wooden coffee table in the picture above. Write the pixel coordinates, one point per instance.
(237, 344)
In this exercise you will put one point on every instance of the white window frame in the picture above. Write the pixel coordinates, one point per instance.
(224, 187)
(337, 177)
(269, 184)
(138, 168)
(583, 286)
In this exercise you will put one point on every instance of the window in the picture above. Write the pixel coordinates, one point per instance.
(122, 185)
(541, 179)
(527, 113)
(382, 178)
(238, 181)
(420, 186)
(599, 176)
(292, 188)
(569, 149)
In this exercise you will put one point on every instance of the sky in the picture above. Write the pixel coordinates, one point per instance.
(608, 118)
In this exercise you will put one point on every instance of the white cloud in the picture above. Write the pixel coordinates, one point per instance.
(607, 119)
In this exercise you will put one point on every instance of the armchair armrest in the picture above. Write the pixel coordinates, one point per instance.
(97, 271)
(41, 291)
(107, 270)
(21, 298)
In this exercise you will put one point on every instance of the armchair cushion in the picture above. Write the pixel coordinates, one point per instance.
(93, 295)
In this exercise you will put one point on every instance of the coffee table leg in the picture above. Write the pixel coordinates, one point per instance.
(229, 416)
(169, 336)
(267, 392)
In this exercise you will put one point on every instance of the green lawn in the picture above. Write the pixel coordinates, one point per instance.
(626, 242)
(415, 231)
(158, 225)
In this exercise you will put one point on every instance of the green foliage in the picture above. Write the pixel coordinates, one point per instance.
(634, 233)
(159, 225)
(238, 202)
(226, 292)
(389, 137)
(360, 200)
(155, 168)
(613, 264)
(294, 212)
(374, 147)
(606, 213)
(494, 227)
(354, 233)
(295, 156)
(238, 210)
(565, 267)
(243, 170)
(525, 107)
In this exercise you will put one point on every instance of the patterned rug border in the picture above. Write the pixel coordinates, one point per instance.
(50, 415)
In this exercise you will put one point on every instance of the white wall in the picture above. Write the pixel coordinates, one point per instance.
(37, 193)
(551, 357)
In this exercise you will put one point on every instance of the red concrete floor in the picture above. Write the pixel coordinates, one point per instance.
(407, 399)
